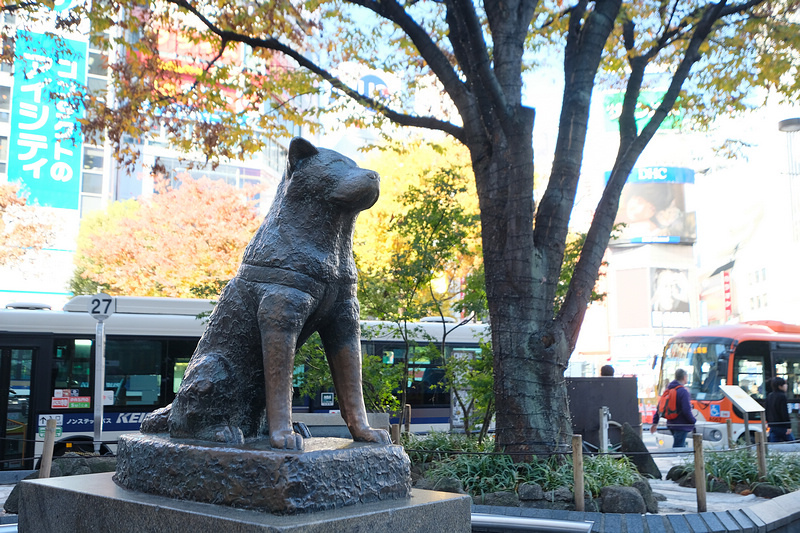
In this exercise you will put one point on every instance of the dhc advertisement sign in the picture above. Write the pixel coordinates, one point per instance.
(654, 208)
(45, 147)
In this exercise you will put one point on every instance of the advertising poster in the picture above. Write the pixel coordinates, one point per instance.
(45, 147)
(669, 298)
(653, 207)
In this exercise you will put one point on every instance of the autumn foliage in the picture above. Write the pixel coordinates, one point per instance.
(182, 237)
(23, 228)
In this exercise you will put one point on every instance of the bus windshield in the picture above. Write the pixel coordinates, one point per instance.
(704, 362)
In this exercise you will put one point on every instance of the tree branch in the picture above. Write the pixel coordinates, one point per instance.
(597, 238)
(366, 101)
(436, 60)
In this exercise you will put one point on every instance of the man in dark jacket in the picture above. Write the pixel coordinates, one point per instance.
(683, 424)
(778, 412)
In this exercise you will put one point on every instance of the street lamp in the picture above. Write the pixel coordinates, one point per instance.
(791, 126)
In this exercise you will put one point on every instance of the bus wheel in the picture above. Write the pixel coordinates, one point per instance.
(79, 444)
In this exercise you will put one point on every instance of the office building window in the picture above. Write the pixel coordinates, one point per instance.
(92, 176)
(3, 154)
(5, 103)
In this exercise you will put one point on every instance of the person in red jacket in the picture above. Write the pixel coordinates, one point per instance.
(683, 424)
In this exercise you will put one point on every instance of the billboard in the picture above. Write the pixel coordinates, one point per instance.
(45, 147)
(646, 105)
(669, 298)
(653, 207)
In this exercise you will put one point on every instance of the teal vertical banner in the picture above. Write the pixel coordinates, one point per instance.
(45, 146)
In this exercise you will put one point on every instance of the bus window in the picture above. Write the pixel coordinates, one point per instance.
(133, 371)
(788, 367)
(179, 353)
(705, 364)
(748, 373)
(71, 372)
(178, 370)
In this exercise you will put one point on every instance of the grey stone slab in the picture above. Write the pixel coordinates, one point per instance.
(593, 517)
(728, 521)
(657, 524)
(696, 524)
(562, 515)
(778, 512)
(760, 525)
(713, 523)
(634, 523)
(679, 523)
(542, 513)
(612, 522)
(93, 503)
(744, 522)
(598, 525)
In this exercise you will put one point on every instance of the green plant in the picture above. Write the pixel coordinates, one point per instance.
(605, 470)
(481, 471)
(438, 445)
(740, 466)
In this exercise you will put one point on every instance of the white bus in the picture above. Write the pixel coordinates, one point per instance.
(47, 370)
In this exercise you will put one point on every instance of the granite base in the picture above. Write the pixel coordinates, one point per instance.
(329, 473)
(93, 503)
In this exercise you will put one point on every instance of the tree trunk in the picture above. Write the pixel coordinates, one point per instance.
(529, 356)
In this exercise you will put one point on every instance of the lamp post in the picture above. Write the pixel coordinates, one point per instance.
(791, 126)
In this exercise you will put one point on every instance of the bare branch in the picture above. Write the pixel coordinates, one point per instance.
(274, 44)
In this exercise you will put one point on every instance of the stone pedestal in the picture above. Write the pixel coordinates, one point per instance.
(93, 503)
(330, 473)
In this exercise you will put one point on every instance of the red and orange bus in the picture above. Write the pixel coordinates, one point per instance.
(748, 354)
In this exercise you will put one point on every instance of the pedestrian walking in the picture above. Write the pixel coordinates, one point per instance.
(675, 405)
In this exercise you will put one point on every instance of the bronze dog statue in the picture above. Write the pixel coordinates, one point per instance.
(297, 276)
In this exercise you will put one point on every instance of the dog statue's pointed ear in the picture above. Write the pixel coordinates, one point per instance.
(299, 149)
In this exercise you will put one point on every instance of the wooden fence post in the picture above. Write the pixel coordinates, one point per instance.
(729, 424)
(699, 473)
(761, 452)
(395, 428)
(47, 454)
(407, 417)
(577, 471)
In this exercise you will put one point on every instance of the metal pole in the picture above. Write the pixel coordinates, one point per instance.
(99, 383)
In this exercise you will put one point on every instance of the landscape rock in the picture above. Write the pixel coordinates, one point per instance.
(530, 492)
(634, 448)
(502, 498)
(677, 473)
(650, 502)
(561, 494)
(765, 490)
(449, 484)
(622, 500)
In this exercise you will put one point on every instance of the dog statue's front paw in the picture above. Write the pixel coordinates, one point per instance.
(368, 434)
(228, 435)
(286, 440)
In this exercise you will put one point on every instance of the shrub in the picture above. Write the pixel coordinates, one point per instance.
(740, 466)
(481, 471)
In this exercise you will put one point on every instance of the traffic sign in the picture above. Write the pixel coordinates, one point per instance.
(102, 306)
